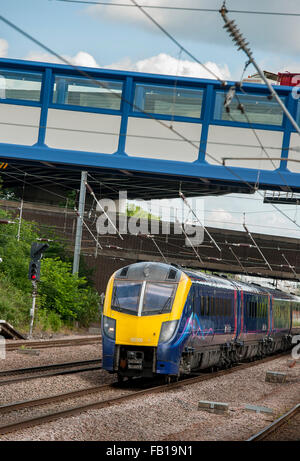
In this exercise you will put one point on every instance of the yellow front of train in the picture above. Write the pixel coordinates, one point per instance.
(143, 306)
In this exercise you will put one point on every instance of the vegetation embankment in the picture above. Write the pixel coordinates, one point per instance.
(63, 298)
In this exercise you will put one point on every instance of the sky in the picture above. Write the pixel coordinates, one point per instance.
(123, 38)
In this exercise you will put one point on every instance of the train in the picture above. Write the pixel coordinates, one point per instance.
(160, 319)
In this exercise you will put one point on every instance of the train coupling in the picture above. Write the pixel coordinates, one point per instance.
(135, 360)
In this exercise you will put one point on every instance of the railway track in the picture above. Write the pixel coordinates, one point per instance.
(277, 425)
(18, 424)
(44, 371)
(14, 345)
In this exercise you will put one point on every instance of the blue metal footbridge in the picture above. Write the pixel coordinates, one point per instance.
(163, 131)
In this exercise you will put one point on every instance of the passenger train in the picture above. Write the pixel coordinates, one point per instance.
(159, 319)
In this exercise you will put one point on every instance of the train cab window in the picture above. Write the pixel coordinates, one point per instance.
(158, 298)
(125, 297)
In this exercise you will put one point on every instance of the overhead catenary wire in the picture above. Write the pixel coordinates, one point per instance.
(238, 260)
(217, 77)
(290, 266)
(32, 185)
(241, 43)
(102, 209)
(99, 84)
(181, 195)
(259, 250)
(159, 250)
(173, 39)
(179, 8)
(190, 242)
(88, 229)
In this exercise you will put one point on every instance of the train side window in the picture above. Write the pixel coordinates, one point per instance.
(203, 306)
(249, 308)
(227, 308)
(217, 303)
(211, 306)
(222, 307)
(255, 309)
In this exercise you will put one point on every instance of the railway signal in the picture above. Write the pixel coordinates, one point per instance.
(36, 253)
(34, 270)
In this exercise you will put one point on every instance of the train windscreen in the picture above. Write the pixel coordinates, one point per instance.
(126, 296)
(158, 298)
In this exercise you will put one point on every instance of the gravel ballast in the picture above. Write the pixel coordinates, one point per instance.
(51, 355)
(173, 415)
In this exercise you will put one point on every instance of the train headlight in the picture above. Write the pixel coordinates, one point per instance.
(167, 330)
(109, 327)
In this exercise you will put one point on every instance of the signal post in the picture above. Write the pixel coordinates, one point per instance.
(34, 272)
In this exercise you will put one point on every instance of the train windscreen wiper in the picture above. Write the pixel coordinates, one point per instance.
(166, 305)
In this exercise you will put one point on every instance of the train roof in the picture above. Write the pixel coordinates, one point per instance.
(156, 271)
(223, 282)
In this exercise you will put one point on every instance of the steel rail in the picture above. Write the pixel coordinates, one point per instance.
(14, 345)
(30, 422)
(264, 433)
(48, 374)
(15, 371)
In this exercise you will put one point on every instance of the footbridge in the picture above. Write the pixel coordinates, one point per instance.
(154, 134)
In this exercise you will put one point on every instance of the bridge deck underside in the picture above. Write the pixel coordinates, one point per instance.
(110, 182)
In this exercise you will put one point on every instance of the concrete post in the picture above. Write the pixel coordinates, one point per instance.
(79, 222)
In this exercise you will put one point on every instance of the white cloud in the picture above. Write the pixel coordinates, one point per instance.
(82, 58)
(160, 64)
(272, 33)
(3, 48)
(166, 64)
(220, 217)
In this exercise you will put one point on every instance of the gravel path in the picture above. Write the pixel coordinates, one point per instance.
(172, 415)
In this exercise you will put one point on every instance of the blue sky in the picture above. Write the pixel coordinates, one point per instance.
(123, 38)
(114, 34)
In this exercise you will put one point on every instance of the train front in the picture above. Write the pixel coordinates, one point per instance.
(141, 315)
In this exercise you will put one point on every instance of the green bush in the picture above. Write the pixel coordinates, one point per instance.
(14, 304)
(16, 254)
(48, 320)
(62, 297)
(66, 294)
